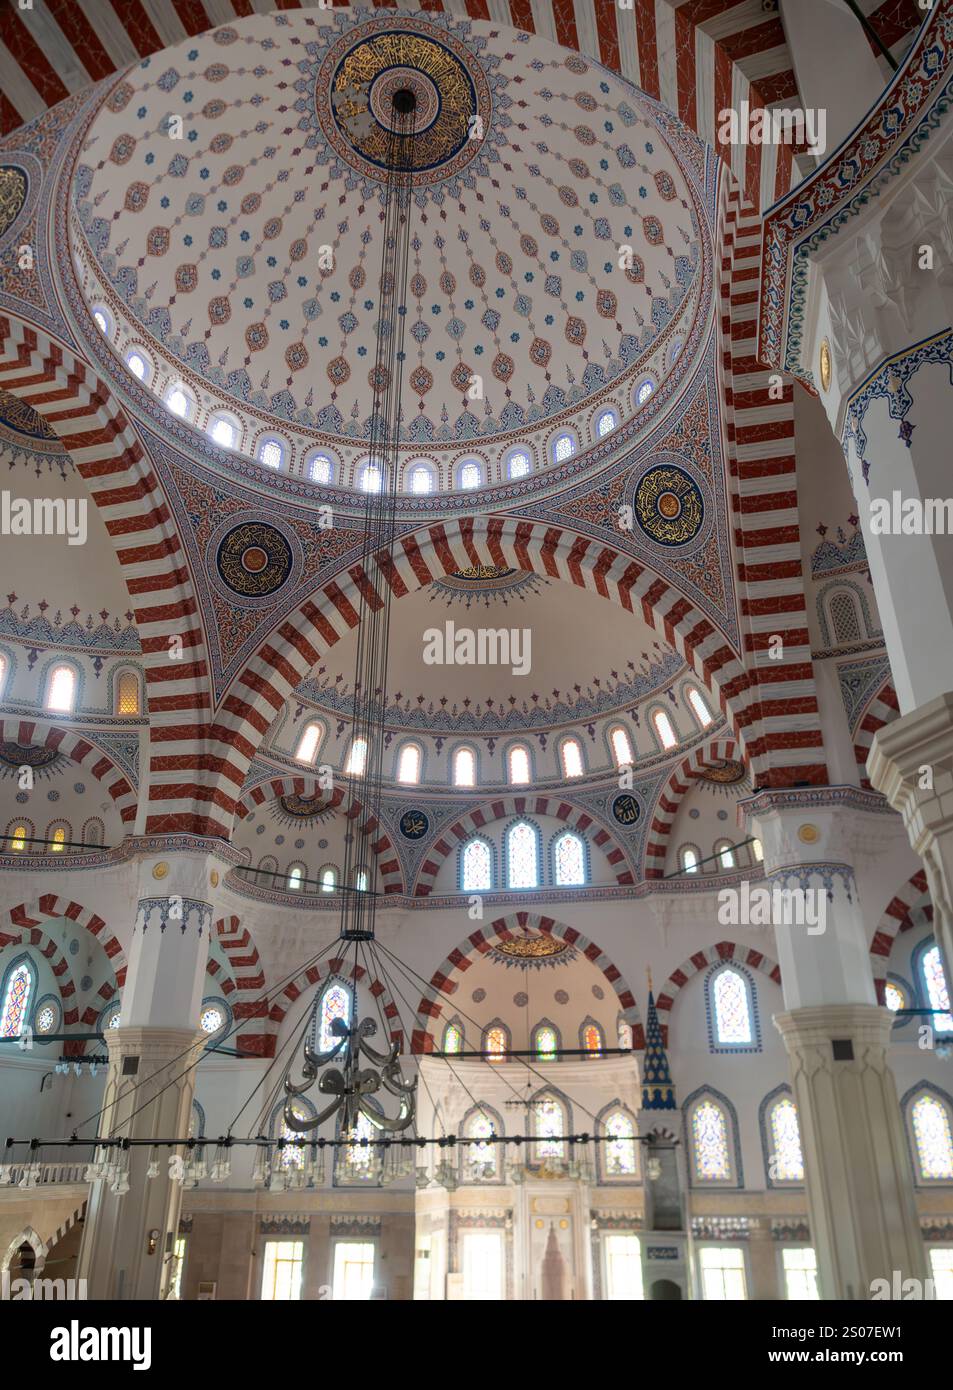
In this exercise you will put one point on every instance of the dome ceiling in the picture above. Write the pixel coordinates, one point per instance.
(245, 257)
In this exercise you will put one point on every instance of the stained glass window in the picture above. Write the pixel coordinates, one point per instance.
(710, 1143)
(700, 710)
(271, 453)
(644, 391)
(787, 1158)
(522, 856)
(938, 992)
(137, 365)
(569, 859)
(309, 743)
(572, 758)
(371, 478)
(624, 1034)
(16, 1001)
(621, 747)
(18, 842)
(320, 469)
(62, 690)
(361, 1157)
(893, 996)
(619, 1149)
(335, 1003)
(732, 1010)
(361, 880)
(357, 757)
(477, 867)
(757, 849)
(45, 1019)
(464, 768)
(127, 693)
(518, 465)
(606, 423)
(546, 1043)
(592, 1038)
(564, 447)
(452, 1038)
(178, 402)
(59, 840)
(408, 770)
(726, 854)
(212, 1018)
(690, 860)
(294, 1153)
(495, 1044)
(663, 727)
(329, 878)
(421, 480)
(470, 476)
(549, 1127)
(483, 1155)
(931, 1128)
(519, 765)
(294, 880)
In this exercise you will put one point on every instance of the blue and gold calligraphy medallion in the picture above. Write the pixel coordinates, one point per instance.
(414, 825)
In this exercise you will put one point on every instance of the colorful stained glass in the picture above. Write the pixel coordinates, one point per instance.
(293, 1154)
(787, 1159)
(361, 1157)
(495, 1044)
(45, 1020)
(522, 856)
(19, 989)
(710, 1143)
(937, 989)
(732, 1013)
(550, 1126)
(564, 448)
(452, 1038)
(482, 1155)
(893, 997)
(592, 1039)
(931, 1128)
(335, 1003)
(546, 1043)
(212, 1019)
(606, 423)
(619, 1148)
(477, 867)
(570, 860)
(624, 1034)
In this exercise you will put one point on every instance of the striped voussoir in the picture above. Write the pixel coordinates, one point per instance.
(911, 907)
(28, 915)
(701, 960)
(778, 715)
(882, 708)
(443, 986)
(42, 942)
(65, 1226)
(370, 832)
(673, 793)
(383, 1009)
(698, 57)
(557, 806)
(59, 386)
(246, 982)
(259, 692)
(82, 750)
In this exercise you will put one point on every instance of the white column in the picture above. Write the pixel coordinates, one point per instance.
(833, 62)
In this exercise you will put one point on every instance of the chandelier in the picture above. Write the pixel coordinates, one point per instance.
(352, 1072)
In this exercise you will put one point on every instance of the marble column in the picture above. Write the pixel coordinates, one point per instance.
(858, 1179)
(129, 1236)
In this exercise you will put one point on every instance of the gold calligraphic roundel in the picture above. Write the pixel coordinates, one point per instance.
(254, 559)
(669, 505)
(532, 947)
(13, 191)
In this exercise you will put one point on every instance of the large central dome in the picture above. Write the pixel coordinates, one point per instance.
(227, 218)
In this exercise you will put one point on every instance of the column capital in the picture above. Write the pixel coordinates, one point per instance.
(816, 827)
(816, 1025)
(903, 749)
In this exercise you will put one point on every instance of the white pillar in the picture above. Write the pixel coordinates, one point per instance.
(835, 68)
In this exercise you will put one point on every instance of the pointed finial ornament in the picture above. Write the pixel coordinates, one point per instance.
(658, 1091)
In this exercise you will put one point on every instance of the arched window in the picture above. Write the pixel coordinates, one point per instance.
(361, 1159)
(570, 752)
(564, 446)
(621, 746)
(518, 765)
(61, 691)
(214, 1016)
(335, 1003)
(421, 479)
(58, 839)
(137, 364)
(102, 319)
(732, 1008)
(408, 764)
(471, 475)
(937, 989)
(934, 1142)
(711, 1159)
(127, 693)
(757, 850)
(690, 859)
(481, 1158)
(618, 1152)
(109, 1018)
(310, 741)
(606, 423)
(477, 876)
(271, 452)
(545, 1042)
(725, 852)
(518, 464)
(179, 402)
(663, 729)
(522, 856)
(700, 710)
(464, 768)
(18, 987)
(18, 840)
(549, 1127)
(93, 831)
(328, 878)
(293, 1154)
(320, 469)
(786, 1161)
(357, 758)
(496, 1043)
(47, 1015)
(569, 860)
(3, 672)
(644, 390)
(591, 1039)
(453, 1037)
(370, 478)
(224, 431)
(362, 880)
(295, 876)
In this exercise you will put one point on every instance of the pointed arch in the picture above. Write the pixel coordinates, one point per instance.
(671, 794)
(881, 709)
(910, 907)
(445, 982)
(29, 916)
(720, 954)
(320, 975)
(81, 749)
(734, 1178)
(26, 1237)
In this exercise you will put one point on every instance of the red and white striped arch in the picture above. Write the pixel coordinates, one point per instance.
(901, 914)
(103, 445)
(42, 942)
(882, 709)
(443, 984)
(315, 975)
(504, 807)
(27, 915)
(719, 954)
(246, 981)
(368, 827)
(82, 750)
(670, 798)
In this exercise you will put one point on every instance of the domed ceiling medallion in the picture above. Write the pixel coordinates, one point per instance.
(532, 950)
(726, 772)
(304, 808)
(254, 560)
(17, 755)
(669, 505)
